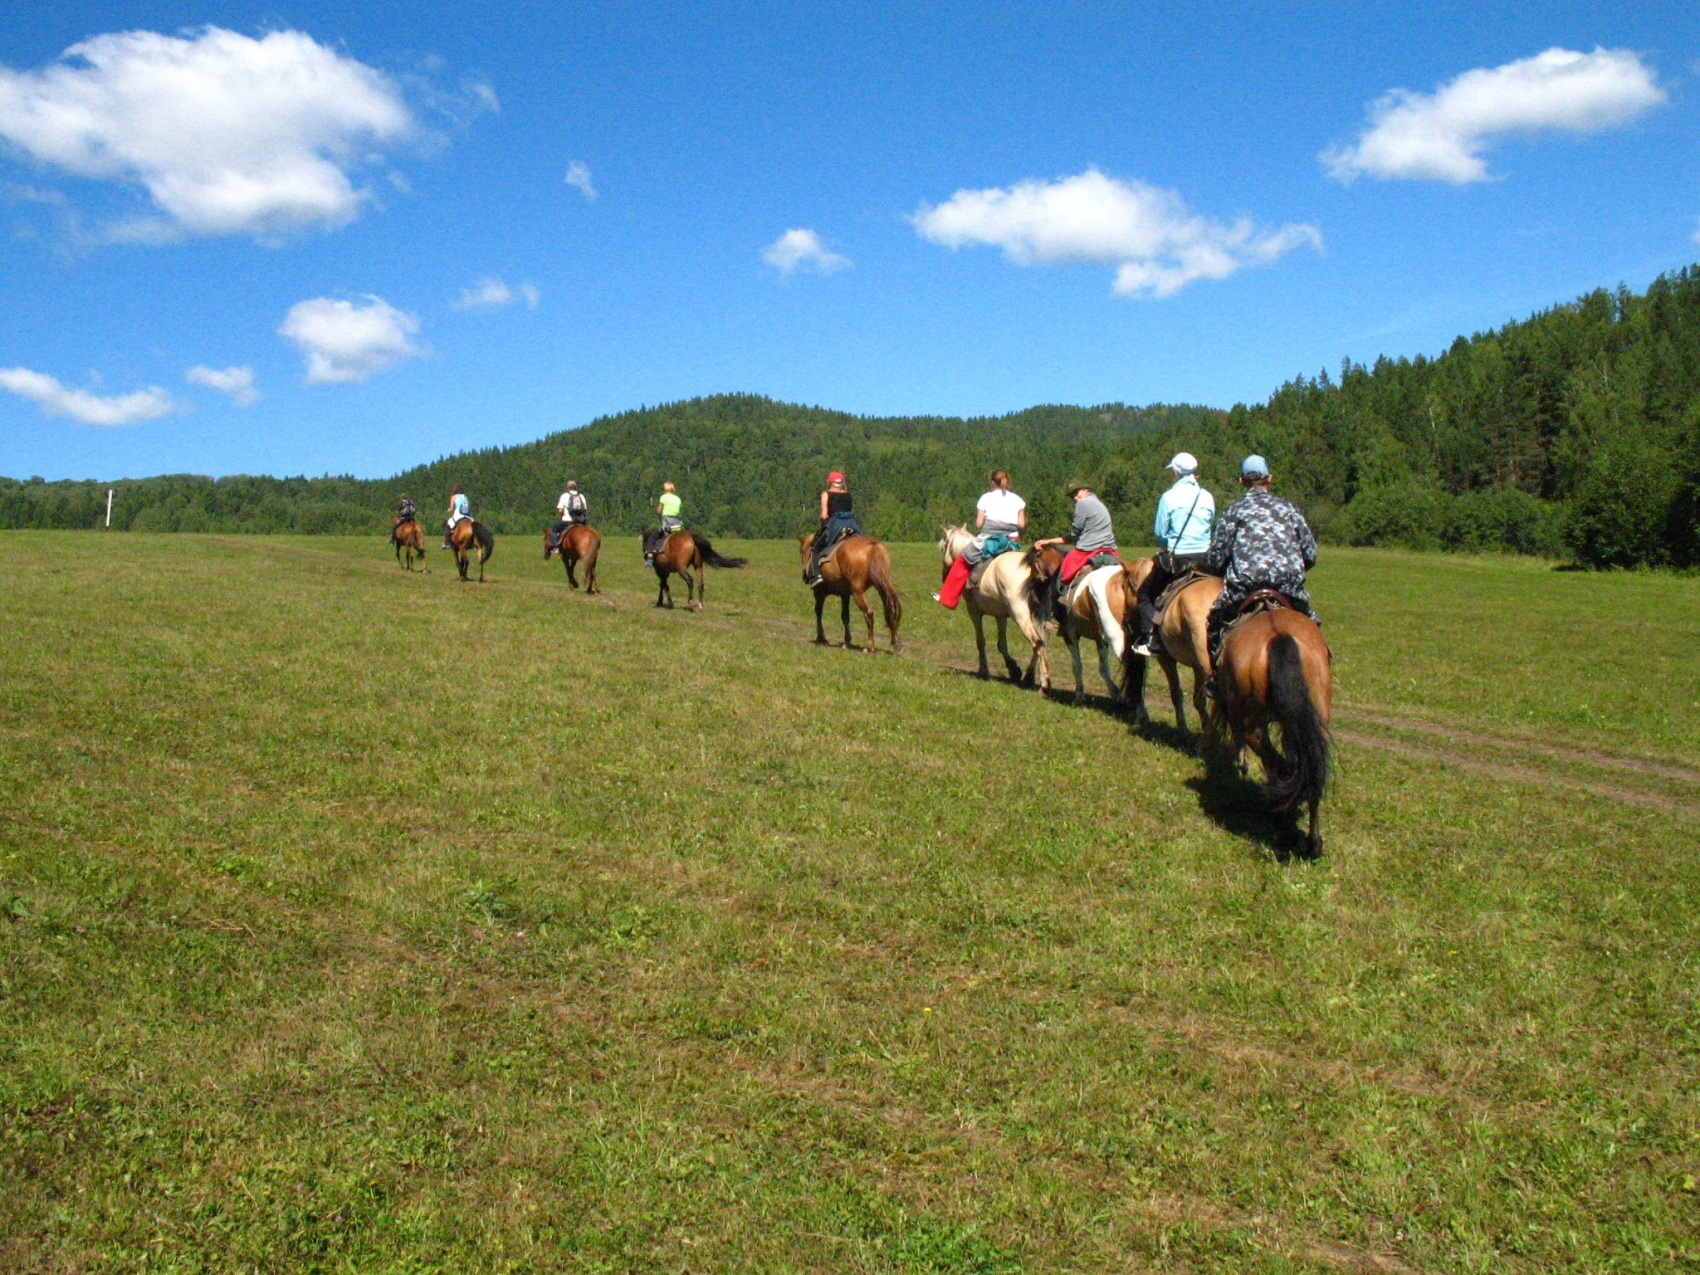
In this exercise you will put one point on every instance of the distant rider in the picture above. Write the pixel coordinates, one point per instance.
(573, 508)
(1185, 515)
(406, 511)
(1090, 531)
(668, 507)
(836, 522)
(999, 514)
(1261, 542)
(460, 509)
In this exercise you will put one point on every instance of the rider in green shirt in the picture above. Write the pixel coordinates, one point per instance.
(668, 507)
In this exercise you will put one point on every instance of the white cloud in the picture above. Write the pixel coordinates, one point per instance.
(1156, 244)
(492, 294)
(802, 250)
(578, 176)
(1441, 135)
(343, 341)
(227, 134)
(238, 382)
(91, 409)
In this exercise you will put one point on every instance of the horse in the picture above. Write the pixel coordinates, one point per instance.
(467, 536)
(407, 534)
(1008, 590)
(579, 543)
(679, 554)
(850, 569)
(1183, 630)
(1098, 602)
(1276, 670)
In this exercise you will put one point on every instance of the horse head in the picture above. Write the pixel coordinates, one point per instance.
(805, 543)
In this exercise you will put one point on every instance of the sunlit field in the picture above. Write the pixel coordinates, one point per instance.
(353, 920)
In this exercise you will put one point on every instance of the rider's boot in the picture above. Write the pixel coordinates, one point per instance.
(1146, 642)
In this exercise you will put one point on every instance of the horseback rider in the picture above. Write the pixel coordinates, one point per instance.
(1185, 514)
(1000, 517)
(460, 509)
(1261, 542)
(1090, 531)
(573, 508)
(668, 507)
(406, 510)
(836, 522)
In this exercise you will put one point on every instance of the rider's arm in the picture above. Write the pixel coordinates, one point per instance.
(1021, 518)
(979, 519)
(1221, 545)
(1160, 528)
(823, 506)
(1307, 541)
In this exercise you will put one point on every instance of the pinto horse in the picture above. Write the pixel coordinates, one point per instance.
(680, 554)
(1276, 670)
(468, 537)
(1095, 605)
(850, 569)
(579, 543)
(1008, 590)
(407, 534)
(1183, 630)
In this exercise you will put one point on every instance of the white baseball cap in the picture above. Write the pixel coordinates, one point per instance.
(1183, 463)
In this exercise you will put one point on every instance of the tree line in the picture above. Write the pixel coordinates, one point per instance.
(1575, 432)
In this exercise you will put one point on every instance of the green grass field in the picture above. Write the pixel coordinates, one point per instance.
(353, 921)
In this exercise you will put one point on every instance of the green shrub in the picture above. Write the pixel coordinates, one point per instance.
(1621, 512)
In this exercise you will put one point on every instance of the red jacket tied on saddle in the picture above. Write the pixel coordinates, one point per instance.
(1075, 559)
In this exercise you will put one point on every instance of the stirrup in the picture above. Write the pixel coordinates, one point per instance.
(1147, 648)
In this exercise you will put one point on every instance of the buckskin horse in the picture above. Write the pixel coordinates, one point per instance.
(680, 554)
(1182, 627)
(407, 534)
(1007, 590)
(851, 567)
(579, 543)
(1095, 605)
(471, 536)
(1275, 670)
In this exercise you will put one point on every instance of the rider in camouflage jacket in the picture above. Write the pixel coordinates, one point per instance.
(1262, 541)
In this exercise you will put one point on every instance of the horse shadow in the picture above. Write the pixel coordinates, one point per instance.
(1235, 804)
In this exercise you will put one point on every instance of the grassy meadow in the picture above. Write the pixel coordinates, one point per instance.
(355, 921)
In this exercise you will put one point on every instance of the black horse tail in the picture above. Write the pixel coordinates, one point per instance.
(486, 541)
(1041, 597)
(1304, 738)
(709, 556)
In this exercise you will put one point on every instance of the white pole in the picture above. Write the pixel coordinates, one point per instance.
(109, 507)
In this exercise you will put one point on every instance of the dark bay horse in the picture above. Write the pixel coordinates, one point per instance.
(579, 544)
(680, 554)
(1275, 670)
(468, 537)
(409, 536)
(851, 568)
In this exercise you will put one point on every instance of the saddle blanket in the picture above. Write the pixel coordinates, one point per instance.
(995, 548)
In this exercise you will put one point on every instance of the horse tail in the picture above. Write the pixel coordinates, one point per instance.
(1304, 738)
(1040, 595)
(879, 575)
(486, 541)
(710, 556)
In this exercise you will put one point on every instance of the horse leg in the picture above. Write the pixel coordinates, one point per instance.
(820, 607)
(1072, 641)
(1034, 632)
(1104, 670)
(844, 619)
(867, 614)
(1010, 666)
(980, 639)
(1176, 696)
(702, 588)
(572, 576)
(663, 595)
(1137, 667)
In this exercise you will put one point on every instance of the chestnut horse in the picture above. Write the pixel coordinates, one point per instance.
(680, 554)
(470, 536)
(1008, 590)
(579, 543)
(409, 536)
(1276, 670)
(1182, 628)
(850, 569)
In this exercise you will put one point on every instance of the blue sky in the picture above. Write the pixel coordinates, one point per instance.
(303, 238)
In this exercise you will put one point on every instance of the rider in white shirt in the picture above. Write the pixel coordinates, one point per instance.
(572, 507)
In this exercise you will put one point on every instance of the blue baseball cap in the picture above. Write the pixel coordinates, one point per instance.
(1254, 466)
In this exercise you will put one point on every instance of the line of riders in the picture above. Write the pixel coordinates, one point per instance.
(1260, 542)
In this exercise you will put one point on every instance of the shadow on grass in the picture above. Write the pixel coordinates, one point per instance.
(1236, 805)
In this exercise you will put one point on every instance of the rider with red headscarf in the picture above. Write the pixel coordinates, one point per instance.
(836, 522)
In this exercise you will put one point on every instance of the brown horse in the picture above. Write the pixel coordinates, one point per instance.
(850, 569)
(680, 554)
(409, 536)
(1094, 605)
(579, 544)
(470, 536)
(1277, 671)
(1182, 628)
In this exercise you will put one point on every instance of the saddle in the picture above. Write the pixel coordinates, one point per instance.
(1259, 600)
(995, 548)
(1170, 591)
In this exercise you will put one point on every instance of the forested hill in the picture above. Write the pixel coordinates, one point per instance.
(1575, 431)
